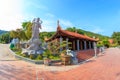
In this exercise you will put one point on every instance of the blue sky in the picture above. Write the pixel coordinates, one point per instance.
(98, 16)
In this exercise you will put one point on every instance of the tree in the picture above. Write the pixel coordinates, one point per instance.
(72, 29)
(27, 27)
(13, 34)
(21, 34)
(54, 46)
(5, 38)
(106, 43)
(116, 37)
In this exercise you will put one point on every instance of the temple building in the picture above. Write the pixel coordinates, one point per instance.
(78, 41)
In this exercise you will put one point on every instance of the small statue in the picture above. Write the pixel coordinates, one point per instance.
(73, 55)
(35, 28)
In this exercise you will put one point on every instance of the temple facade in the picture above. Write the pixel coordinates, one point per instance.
(78, 41)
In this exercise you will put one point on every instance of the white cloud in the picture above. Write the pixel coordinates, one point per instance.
(92, 28)
(10, 14)
(35, 5)
(50, 15)
(49, 22)
(65, 23)
(49, 25)
(97, 30)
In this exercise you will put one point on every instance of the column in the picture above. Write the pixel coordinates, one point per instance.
(67, 47)
(89, 45)
(95, 48)
(81, 45)
(78, 48)
(73, 45)
(61, 39)
(85, 45)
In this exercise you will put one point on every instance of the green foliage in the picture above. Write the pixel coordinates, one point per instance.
(16, 49)
(24, 33)
(88, 33)
(13, 34)
(106, 43)
(54, 57)
(113, 45)
(32, 56)
(54, 47)
(46, 34)
(46, 53)
(5, 38)
(116, 37)
(99, 45)
(19, 33)
(74, 29)
(24, 25)
(28, 30)
(2, 32)
(39, 57)
(19, 53)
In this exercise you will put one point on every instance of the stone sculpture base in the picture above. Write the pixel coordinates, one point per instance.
(35, 47)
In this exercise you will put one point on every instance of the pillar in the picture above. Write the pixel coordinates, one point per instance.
(95, 48)
(85, 45)
(89, 45)
(78, 47)
(81, 45)
(73, 45)
(67, 46)
(61, 39)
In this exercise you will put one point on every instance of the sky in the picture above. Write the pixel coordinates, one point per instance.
(98, 16)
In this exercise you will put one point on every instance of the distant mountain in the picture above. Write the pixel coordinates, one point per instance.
(3, 31)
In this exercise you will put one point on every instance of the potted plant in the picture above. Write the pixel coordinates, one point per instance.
(54, 48)
(66, 59)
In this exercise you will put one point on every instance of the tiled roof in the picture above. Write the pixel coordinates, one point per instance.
(76, 35)
(70, 34)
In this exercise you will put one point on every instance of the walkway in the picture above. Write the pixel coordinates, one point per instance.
(13, 69)
(104, 67)
(5, 52)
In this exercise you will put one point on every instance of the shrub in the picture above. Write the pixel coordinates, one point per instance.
(32, 56)
(39, 57)
(47, 53)
(51, 57)
(25, 55)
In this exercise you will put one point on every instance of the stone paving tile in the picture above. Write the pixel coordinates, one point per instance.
(104, 67)
(17, 70)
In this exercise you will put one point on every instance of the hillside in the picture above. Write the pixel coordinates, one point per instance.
(2, 31)
(73, 29)
(88, 33)
(91, 34)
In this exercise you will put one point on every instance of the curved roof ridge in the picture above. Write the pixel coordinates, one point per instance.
(77, 35)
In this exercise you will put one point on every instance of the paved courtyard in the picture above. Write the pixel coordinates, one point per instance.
(104, 67)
